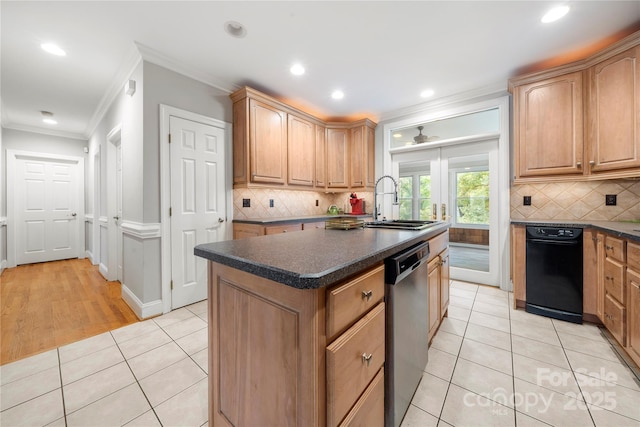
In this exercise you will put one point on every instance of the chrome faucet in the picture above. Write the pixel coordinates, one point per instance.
(376, 208)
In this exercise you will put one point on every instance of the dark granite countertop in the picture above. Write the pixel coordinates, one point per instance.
(627, 230)
(314, 258)
(294, 219)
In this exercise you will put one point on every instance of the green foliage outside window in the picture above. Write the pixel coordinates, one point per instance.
(472, 199)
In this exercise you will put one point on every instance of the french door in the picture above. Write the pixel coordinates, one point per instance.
(457, 184)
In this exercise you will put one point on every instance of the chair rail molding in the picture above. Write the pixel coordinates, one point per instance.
(148, 230)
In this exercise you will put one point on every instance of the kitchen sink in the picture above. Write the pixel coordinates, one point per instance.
(400, 224)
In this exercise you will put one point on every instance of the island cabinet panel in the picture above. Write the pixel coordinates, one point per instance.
(549, 127)
(614, 112)
(445, 279)
(347, 303)
(434, 271)
(369, 410)
(266, 354)
(590, 275)
(301, 151)
(353, 360)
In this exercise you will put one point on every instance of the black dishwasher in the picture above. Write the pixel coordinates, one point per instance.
(554, 272)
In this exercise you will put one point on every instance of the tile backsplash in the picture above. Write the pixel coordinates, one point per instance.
(577, 200)
(289, 203)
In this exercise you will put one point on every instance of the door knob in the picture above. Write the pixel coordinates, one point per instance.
(220, 220)
(74, 214)
(116, 217)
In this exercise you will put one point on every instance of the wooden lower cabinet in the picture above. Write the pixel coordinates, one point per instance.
(244, 231)
(439, 281)
(272, 362)
(614, 318)
(285, 228)
(633, 301)
(434, 296)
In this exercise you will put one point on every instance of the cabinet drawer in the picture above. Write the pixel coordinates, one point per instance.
(313, 225)
(614, 279)
(347, 302)
(286, 228)
(614, 248)
(353, 359)
(438, 244)
(369, 410)
(633, 256)
(614, 319)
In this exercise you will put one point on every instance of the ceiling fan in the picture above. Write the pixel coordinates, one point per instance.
(420, 138)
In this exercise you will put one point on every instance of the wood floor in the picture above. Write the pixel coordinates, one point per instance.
(46, 305)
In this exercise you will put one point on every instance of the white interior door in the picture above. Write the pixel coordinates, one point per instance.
(198, 206)
(46, 206)
(114, 205)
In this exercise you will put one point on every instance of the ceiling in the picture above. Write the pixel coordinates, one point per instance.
(381, 54)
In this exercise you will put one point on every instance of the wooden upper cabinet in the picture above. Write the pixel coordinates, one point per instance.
(362, 160)
(301, 151)
(548, 130)
(338, 157)
(370, 147)
(278, 146)
(321, 156)
(268, 143)
(614, 113)
(357, 164)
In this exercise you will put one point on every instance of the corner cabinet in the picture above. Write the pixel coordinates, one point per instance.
(580, 121)
(278, 146)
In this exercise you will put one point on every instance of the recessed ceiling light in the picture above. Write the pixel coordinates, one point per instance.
(297, 70)
(337, 94)
(235, 29)
(397, 135)
(47, 117)
(53, 49)
(554, 14)
(427, 93)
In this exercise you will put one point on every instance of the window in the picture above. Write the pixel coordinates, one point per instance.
(471, 196)
(414, 196)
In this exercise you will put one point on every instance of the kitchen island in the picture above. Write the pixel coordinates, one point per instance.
(297, 325)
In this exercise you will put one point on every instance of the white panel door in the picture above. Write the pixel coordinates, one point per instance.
(197, 204)
(46, 208)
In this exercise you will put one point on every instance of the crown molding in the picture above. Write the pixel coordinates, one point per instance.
(125, 70)
(151, 55)
(52, 132)
(489, 91)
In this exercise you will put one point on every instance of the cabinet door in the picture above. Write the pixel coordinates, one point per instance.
(370, 154)
(357, 157)
(243, 231)
(321, 156)
(600, 256)
(286, 228)
(590, 275)
(268, 143)
(301, 151)
(337, 158)
(614, 318)
(434, 295)
(633, 307)
(444, 282)
(614, 113)
(549, 127)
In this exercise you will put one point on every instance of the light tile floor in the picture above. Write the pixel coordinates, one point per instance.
(152, 373)
(488, 365)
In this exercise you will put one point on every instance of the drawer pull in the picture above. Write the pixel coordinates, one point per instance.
(608, 278)
(366, 359)
(366, 295)
(607, 247)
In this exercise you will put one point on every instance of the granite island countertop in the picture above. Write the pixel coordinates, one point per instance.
(314, 258)
(627, 230)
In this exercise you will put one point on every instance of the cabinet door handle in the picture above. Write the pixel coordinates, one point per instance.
(592, 162)
(366, 359)
(366, 295)
(578, 165)
(434, 211)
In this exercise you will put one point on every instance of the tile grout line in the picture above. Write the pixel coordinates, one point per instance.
(64, 408)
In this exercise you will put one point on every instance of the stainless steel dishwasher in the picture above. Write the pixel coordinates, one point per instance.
(407, 328)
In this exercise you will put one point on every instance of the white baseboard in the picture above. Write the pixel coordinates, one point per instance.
(3, 265)
(142, 310)
(103, 270)
(88, 254)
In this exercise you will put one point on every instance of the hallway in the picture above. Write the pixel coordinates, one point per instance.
(48, 305)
